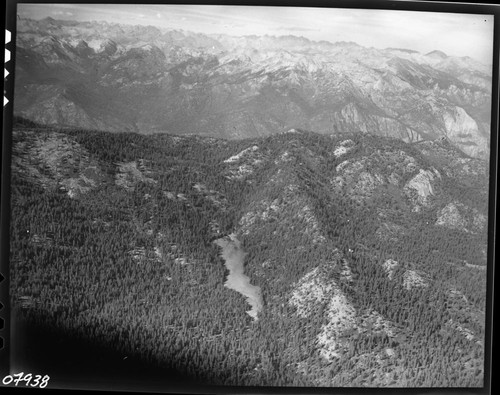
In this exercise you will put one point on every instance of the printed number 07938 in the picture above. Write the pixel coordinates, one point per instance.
(38, 380)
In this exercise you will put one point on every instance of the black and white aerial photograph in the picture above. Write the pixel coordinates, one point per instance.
(228, 196)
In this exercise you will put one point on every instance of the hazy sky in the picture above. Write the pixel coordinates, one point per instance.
(453, 33)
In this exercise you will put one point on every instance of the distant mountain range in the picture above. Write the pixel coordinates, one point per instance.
(97, 75)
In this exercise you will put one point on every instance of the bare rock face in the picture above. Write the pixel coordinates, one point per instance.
(390, 266)
(313, 290)
(83, 49)
(456, 215)
(244, 164)
(341, 317)
(420, 187)
(451, 217)
(463, 132)
(109, 47)
(413, 279)
(479, 221)
(343, 148)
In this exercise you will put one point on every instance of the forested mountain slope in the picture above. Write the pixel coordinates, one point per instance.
(369, 252)
(105, 76)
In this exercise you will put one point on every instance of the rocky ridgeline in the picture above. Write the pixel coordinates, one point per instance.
(132, 78)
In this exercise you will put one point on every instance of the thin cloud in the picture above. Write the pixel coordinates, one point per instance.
(297, 29)
(62, 13)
